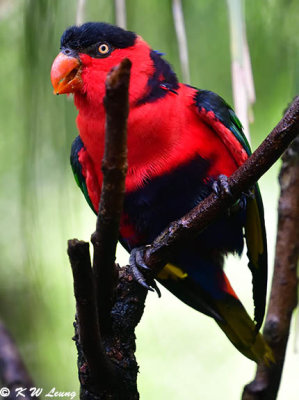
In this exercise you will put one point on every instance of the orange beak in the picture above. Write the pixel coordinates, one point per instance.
(66, 74)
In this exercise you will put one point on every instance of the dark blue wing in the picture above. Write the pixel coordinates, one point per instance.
(215, 112)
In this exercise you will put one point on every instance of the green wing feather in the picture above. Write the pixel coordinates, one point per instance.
(255, 232)
(77, 146)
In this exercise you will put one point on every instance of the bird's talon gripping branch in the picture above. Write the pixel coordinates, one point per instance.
(137, 263)
(136, 257)
(221, 186)
(249, 194)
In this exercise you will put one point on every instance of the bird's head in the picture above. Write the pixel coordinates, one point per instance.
(88, 52)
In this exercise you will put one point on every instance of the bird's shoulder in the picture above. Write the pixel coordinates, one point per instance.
(215, 112)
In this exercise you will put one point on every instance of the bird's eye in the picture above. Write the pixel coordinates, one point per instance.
(103, 48)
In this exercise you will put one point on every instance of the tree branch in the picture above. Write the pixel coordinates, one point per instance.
(239, 182)
(107, 316)
(114, 167)
(13, 373)
(88, 330)
(283, 298)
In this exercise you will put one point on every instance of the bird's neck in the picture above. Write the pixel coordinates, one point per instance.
(161, 81)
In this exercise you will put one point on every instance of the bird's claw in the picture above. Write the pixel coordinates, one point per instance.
(137, 263)
(249, 194)
(221, 186)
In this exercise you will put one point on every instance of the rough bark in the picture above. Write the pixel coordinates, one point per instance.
(87, 326)
(283, 298)
(114, 168)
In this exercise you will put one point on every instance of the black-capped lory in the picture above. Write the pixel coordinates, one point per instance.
(180, 141)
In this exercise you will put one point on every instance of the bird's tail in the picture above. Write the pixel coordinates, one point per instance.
(217, 299)
(240, 329)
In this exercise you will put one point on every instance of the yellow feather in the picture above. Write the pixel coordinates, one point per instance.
(240, 330)
(171, 271)
(254, 236)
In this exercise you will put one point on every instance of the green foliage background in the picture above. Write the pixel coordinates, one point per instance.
(181, 354)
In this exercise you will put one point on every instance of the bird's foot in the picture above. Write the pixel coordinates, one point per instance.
(249, 194)
(221, 186)
(244, 198)
(141, 272)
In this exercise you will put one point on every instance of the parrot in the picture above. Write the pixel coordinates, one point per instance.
(183, 143)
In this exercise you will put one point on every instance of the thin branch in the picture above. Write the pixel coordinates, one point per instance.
(242, 79)
(80, 15)
(178, 17)
(120, 13)
(107, 366)
(87, 317)
(283, 298)
(105, 328)
(114, 167)
(242, 179)
(13, 373)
